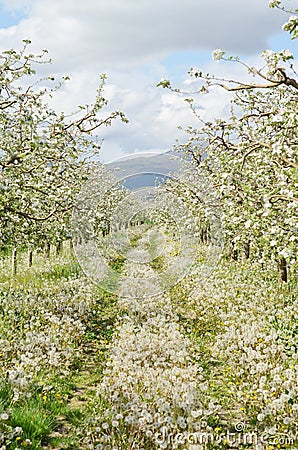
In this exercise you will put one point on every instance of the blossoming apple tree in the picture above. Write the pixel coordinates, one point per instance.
(43, 154)
(250, 157)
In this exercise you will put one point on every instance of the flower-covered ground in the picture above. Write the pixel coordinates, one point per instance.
(212, 363)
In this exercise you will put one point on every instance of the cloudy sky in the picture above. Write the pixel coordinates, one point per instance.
(136, 43)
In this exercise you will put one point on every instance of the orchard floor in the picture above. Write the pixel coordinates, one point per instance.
(208, 364)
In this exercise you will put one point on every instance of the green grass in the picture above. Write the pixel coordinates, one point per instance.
(66, 271)
(117, 263)
(53, 269)
(134, 239)
(158, 263)
(36, 415)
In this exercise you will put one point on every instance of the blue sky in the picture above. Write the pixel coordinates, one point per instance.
(8, 17)
(137, 44)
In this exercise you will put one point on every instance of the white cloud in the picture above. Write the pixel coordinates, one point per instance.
(128, 39)
(123, 33)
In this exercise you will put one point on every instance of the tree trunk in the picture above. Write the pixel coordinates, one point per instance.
(246, 250)
(59, 248)
(14, 262)
(205, 235)
(30, 257)
(47, 250)
(235, 254)
(282, 270)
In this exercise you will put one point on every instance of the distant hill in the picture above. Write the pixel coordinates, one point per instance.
(138, 171)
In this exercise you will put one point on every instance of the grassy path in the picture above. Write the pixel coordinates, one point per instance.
(151, 383)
